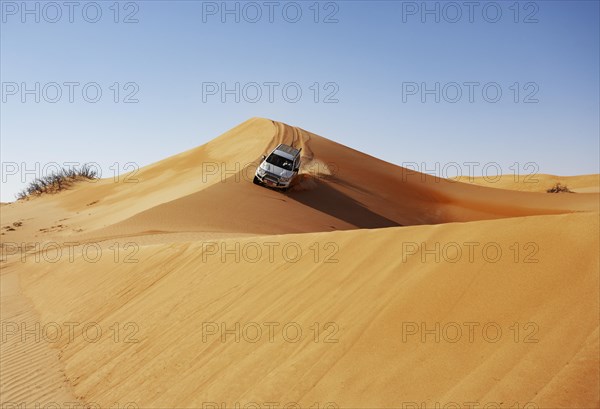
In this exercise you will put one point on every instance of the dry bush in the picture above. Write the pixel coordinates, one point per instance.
(558, 188)
(57, 181)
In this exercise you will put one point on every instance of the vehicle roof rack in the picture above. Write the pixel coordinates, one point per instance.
(288, 149)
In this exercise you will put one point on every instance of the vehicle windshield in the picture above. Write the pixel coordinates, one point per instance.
(280, 162)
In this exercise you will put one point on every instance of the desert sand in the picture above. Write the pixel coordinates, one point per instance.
(365, 286)
(535, 182)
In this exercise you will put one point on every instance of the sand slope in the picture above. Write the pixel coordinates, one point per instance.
(200, 246)
(174, 289)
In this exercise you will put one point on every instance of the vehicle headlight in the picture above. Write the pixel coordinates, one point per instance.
(284, 179)
(261, 171)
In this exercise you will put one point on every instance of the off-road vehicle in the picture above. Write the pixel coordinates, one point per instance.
(279, 168)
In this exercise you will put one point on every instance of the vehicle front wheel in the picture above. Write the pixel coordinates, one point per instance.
(256, 181)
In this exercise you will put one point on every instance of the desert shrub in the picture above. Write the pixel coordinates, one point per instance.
(57, 181)
(558, 188)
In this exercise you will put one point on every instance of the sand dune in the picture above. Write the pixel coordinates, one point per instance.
(209, 189)
(349, 291)
(534, 182)
(340, 189)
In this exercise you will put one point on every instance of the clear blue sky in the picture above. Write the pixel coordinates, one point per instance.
(367, 55)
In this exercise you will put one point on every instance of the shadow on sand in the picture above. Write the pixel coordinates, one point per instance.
(323, 197)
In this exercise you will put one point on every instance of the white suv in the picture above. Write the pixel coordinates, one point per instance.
(279, 168)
